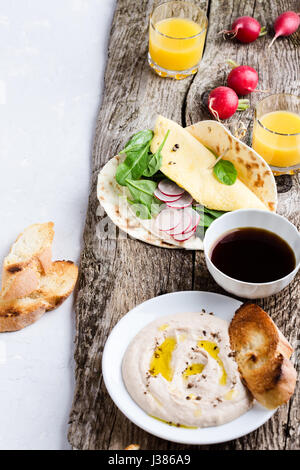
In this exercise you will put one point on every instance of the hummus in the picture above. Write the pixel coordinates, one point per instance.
(180, 369)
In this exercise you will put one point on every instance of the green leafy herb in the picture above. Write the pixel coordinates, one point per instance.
(214, 213)
(138, 141)
(142, 191)
(207, 218)
(155, 160)
(140, 210)
(133, 166)
(137, 157)
(225, 172)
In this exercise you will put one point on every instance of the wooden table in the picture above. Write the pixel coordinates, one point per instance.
(116, 273)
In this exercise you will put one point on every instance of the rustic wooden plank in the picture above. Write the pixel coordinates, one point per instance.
(117, 274)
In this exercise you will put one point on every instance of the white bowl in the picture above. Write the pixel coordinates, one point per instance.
(251, 218)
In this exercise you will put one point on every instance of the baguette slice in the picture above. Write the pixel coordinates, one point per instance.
(29, 257)
(54, 288)
(262, 354)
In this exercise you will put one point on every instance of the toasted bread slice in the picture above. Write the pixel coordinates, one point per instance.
(54, 288)
(262, 354)
(29, 258)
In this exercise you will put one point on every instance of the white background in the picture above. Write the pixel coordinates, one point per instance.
(52, 60)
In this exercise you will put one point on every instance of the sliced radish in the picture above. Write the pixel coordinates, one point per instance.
(184, 236)
(167, 219)
(195, 219)
(164, 198)
(184, 224)
(184, 201)
(169, 188)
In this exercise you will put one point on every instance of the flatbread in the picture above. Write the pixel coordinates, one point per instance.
(252, 169)
(189, 163)
(113, 199)
(255, 186)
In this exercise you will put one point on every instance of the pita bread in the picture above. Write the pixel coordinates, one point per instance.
(255, 187)
(113, 199)
(189, 163)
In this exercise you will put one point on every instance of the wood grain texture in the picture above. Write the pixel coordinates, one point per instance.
(117, 273)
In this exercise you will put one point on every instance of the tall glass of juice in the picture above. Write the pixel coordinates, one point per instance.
(176, 39)
(276, 132)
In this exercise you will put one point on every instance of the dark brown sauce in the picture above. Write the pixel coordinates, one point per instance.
(253, 255)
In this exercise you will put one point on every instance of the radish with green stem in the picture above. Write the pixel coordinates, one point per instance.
(242, 78)
(246, 29)
(223, 102)
(285, 24)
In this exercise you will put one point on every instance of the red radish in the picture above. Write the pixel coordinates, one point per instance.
(167, 219)
(184, 201)
(195, 216)
(245, 29)
(184, 236)
(164, 198)
(285, 24)
(223, 102)
(243, 79)
(169, 188)
(184, 224)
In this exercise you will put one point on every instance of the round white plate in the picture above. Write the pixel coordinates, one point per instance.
(118, 341)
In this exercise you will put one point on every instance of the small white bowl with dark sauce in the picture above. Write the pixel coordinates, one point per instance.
(252, 253)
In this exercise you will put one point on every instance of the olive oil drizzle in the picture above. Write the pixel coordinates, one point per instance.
(193, 369)
(161, 359)
(213, 350)
(177, 425)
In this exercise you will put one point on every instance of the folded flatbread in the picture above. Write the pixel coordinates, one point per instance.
(187, 161)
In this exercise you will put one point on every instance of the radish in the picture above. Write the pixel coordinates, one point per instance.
(184, 236)
(245, 29)
(195, 216)
(242, 79)
(162, 197)
(184, 224)
(223, 102)
(285, 24)
(169, 188)
(184, 201)
(167, 219)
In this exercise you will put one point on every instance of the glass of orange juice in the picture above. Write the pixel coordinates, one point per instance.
(176, 39)
(276, 132)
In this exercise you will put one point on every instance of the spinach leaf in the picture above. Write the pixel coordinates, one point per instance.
(140, 210)
(142, 191)
(133, 166)
(225, 172)
(214, 213)
(207, 218)
(138, 141)
(155, 160)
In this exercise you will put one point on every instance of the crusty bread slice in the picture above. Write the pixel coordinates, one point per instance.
(29, 257)
(54, 288)
(262, 354)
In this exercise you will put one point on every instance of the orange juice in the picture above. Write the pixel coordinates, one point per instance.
(176, 43)
(271, 141)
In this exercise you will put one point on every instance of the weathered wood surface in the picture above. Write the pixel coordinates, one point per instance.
(117, 274)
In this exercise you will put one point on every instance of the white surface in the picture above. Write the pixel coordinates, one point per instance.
(130, 325)
(52, 56)
(259, 219)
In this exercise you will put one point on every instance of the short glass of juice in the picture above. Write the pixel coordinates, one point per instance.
(177, 34)
(276, 132)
